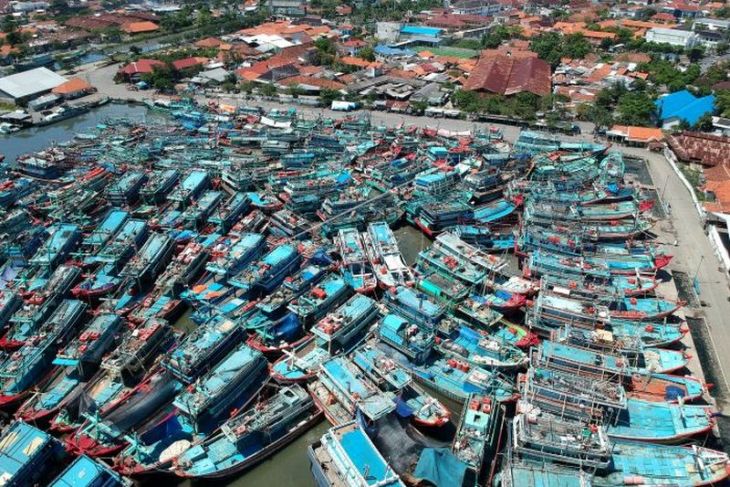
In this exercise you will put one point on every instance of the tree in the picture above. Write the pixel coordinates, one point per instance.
(575, 46)
(162, 78)
(704, 124)
(367, 53)
(267, 89)
(722, 47)
(696, 53)
(635, 109)
(327, 96)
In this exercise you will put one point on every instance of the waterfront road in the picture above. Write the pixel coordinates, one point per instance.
(693, 253)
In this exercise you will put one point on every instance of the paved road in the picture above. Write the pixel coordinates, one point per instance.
(693, 244)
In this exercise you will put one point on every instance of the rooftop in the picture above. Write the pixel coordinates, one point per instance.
(509, 75)
(30, 82)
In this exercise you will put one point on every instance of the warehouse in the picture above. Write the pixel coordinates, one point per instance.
(22, 87)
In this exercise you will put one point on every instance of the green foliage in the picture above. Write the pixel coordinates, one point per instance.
(418, 107)
(635, 108)
(722, 102)
(161, 78)
(552, 46)
(722, 47)
(370, 12)
(662, 72)
(367, 53)
(267, 90)
(522, 105)
(704, 123)
(497, 35)
(468, 44)
(327, 96)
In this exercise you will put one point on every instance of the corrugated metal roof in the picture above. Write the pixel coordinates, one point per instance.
(30, 82)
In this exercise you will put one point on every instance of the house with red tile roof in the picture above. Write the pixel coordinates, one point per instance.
(134, 70)
(133, 28)
(506, 75)
(189, 62)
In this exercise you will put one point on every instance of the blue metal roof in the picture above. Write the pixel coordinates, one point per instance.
(384, 50)
(421, 31)
(685, 106)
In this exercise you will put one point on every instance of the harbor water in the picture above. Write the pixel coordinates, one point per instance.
(38, 138)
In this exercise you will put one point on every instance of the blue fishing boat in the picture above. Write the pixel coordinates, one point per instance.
(31, 364)
(61, 242)
(422, 408)
(478, 433)
(319, 300)
(196, 215)
(77, 362)
(159, 185)
(340, 328)
(101, 235)
(28, 456)
(341, 390)
(479, 348)
(292, 287)
(457, 379)
(203, 347)
(346, 454)
(251, 436)
(123, 245)
(287, 224)
(264, 276)
(355, 264)
(228, 213)
(151, 259)
(414, 342)
(485, 237)
(126, 189)
(189, 189)
(228, 258)
(86, 472)
(414, 306)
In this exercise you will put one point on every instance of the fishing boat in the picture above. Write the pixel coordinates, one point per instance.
(414, 342)
(62, 240)
(263, 277)
(126, 189)
(292, 287)
(189, 189)
(356, 267)
(446, 290)
(76, 363)
(30, 364)
(91, 473)
(414, 306)
(346, 454)
(341, 390)
(385, 257)
(101, 235)
(479, 348)
(678, 465)
(203, 347)
(151, 259)
(287, 224)
(478, 433)
(457, 379)
(485, 237)
(159, 185)
(29, 456)
(543, 437)
(228, 258)
(423, 409)
(228, 213)
(251, 436)
(319, 300)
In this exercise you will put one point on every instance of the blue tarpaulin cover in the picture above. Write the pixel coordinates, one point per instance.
(440, 467)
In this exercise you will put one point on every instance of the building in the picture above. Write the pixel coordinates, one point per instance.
(73, 88)
(288, 8)
(683, 106)
(144, 27)
(420, 34)
(680, 38)
(135, 70)
(638, 136)
(22, 87)
(509, 75)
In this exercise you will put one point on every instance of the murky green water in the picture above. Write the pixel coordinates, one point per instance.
(411, 241)
(38, 138)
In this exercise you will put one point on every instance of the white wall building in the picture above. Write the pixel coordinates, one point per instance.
(680, 38)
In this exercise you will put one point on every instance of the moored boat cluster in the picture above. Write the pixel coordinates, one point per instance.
(189, 298)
